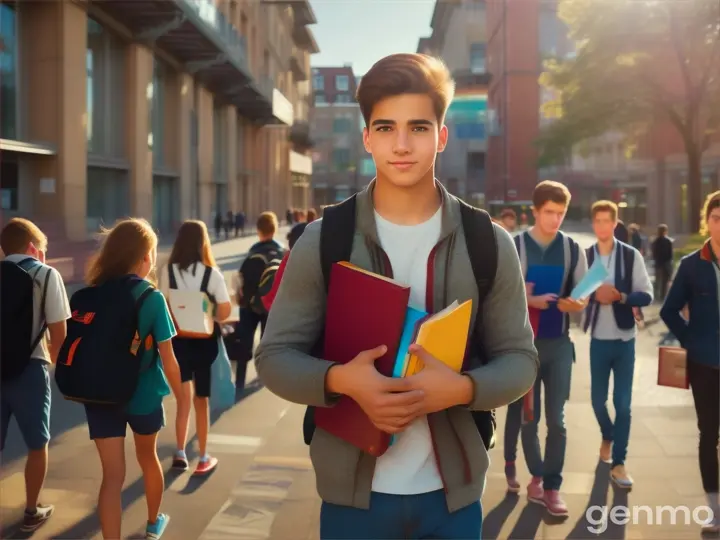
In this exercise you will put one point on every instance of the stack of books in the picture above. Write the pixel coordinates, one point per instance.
(366, 310)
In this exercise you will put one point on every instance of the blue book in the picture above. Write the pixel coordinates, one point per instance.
(412, 317)
(547, 279)
(591, 282)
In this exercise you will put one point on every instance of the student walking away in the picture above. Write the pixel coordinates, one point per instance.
(697, 284)
(118, 360)
(251, 283)
(191, 275)
(550, 260)
(662, 254)
(621, 232)
(239, 224)
(429, 483)
(33, 302)
(297, 230)
(610, 318)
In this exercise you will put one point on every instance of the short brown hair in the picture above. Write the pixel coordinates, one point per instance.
(406, 73)
(267, 224)
(192, 245)
(550, 191)
(18, 234)
(311, 215)
(124, 247)
(604, 206)
(711, 203)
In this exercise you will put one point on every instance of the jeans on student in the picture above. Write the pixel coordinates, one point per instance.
(555, 373)
(705, 385)
(513, 423)
(616, 356)
(245, 330)
(392, 517)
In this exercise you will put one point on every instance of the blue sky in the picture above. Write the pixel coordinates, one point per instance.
(363, 31)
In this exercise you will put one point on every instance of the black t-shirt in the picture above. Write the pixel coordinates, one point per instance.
(294, 234)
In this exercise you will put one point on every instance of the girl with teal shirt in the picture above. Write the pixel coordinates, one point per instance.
(130, 248)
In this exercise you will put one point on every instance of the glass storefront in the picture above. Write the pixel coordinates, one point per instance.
(108, 197)
(8, 71)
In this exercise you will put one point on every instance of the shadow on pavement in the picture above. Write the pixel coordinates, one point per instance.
(594, 517)
(495, 519)
(528, 523)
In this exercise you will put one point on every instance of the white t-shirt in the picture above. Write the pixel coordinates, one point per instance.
(408, 467)
(189, 281)
(57, 307)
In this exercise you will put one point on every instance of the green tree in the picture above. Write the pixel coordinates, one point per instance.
(637, 63)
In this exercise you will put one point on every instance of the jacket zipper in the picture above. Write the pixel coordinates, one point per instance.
(429, 304)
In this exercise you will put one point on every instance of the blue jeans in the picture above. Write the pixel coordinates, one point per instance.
(513, 423)
(616, 356)
(555, 373)
(396, 517)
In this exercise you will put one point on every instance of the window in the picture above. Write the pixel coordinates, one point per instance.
(8, 184)
(108, 197)
(318, 82)
(342, 125)
(341, 159)
(156, 107)
(320, 99)
(8, 72)
(343, 98)
(477, 57)
(342, 83)
(105, 76)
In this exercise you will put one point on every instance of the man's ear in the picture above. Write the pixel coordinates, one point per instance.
(442, 139)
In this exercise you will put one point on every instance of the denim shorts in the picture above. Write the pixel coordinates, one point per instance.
(109, 421)
(28, 398)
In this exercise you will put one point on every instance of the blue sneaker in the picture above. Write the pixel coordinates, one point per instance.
(153, 531)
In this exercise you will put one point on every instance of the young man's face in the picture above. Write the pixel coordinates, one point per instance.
(509, 223)
(549, 217)
(714, 225)
(604, 226)
(404, 137)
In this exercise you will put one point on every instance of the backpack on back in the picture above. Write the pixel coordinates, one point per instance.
(100, 359)
(18, 343)
(336, 241)
(258, 273)
(191, 311)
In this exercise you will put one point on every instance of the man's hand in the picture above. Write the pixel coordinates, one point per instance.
(568, 305)
(441, 386)
(607, 294)
(538, 302)
(390, 403)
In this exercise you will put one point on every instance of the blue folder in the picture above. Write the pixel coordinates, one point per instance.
(412, 316)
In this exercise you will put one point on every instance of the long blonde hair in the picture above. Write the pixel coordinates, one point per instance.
(124, 247)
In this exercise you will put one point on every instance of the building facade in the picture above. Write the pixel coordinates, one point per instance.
(521, 35)
(459, 38)
(341, 166)
(162, 110)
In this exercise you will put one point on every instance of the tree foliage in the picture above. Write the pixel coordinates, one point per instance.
(636, 63)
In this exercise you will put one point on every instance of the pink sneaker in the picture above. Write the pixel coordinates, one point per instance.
(554, 503)
(535, 491)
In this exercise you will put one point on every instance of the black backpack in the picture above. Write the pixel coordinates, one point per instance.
(17, 282)
(258, 273)
(100, 360)
(336, 240)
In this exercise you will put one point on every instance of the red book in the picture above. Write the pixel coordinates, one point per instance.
(364, 311)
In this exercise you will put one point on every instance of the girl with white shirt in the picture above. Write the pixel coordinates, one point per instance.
(192, 267)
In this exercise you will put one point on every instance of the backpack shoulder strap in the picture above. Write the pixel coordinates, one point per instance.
(171, 276)
(43, 300)
(522, 252)
(337, 230)
(572, 254)
(479, 236)
(206, 279)
(590, 254)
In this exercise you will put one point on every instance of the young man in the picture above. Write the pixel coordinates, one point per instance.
(508, 219)
(246, 283)
(545, 249)
(27, 395)
(611, 319)
(697, 285)
(407, 226)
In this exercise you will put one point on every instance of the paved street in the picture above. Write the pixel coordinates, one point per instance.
(264, 485)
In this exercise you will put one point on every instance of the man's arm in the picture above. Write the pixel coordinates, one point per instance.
(581, 268)
(294, 325)
(57, 311)
(641, 294)
(676, 300)
(507, 336)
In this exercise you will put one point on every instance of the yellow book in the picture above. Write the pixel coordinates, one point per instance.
(445, 336)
